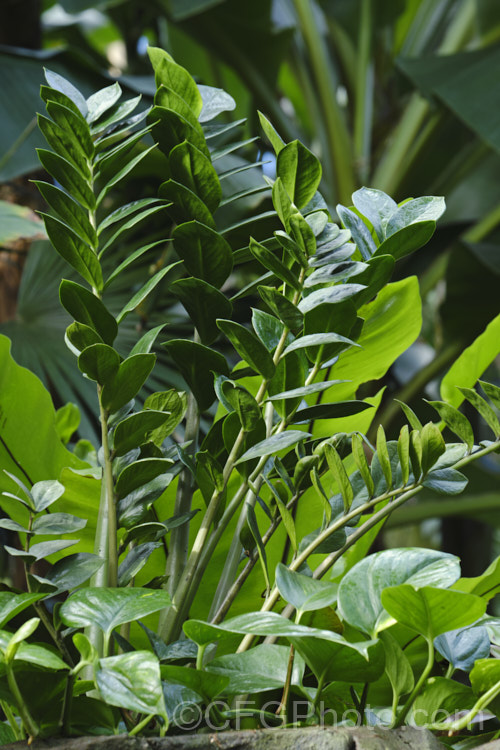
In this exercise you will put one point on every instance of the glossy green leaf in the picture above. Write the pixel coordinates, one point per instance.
(45, 493)
(168, 73)
(416, 453)
(282, 307)
(76, 252)
(404, 454)
(272, 135)
(361, 588)
(305, 390)
(109, 608)
(59, 83)
(185, 205)
(258, 670)
(74, 127)
(66, 174)
(140, 473)
(306, 594)
(329, 295)
(119, 176)
(283, 207)
(374, 278)
(99, 362)
(431, 611)
(446, 481)
(167, 98)
(270, 261)
(81, 336)
(456, 421)
(206, 254)
(189, 166)
(294, 250)
(359, 455)
(426, 208)
(66, 146)
(492, 392)
(383, 456)
(314, 340)
(132, 681)
(117, 115)
(484, 675)
(136, 430)
(58, 523)
(377, 206)
(302, 234)
(88, 309)
(243, 403)
(170, 128)
(69, 211)
(253, 526)
(268, 328)
(215, 101)
(131, 376)
(471, 363)
(127, 226)
(397, 665)
(483, 408)
(274, 444)
(300, 172)
(147, 341)
(31, 653)
(102, 101)
(143, 292)
(174, 404)
(335, 272)
(135, 560)
(196, 363)
(204, 303)
(41, 550)
(249, 347)
(72, 570)
(359, 231)
(486, 585)
(339, 473)
(407, 240)
(286, 515)
(433, 445)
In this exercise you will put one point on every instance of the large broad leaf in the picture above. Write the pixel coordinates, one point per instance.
(109, 608)
(30, 454)
(206, 685)
(463, 82)
(132, 681)
(431, 611)
(392, 323)
(471, 363)
(464, 646)
(360, 591)
(260, 669)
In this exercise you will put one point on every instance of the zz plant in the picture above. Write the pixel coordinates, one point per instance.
(262, 433)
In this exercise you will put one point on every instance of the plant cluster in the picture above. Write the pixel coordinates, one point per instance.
(271, 446)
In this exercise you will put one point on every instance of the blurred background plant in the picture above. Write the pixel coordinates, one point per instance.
(400, 96)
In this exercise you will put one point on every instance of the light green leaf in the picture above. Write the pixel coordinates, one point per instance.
(300, 172)
(61, 84)
(175, 77)
(433, 446)
(215, 101)
(45, 493)
(471, 363)
(359, 231)
(456, 421)
(397, 665)
(431, 611)
(18, 221)
(329, 295)
(58, 523)
(483, 408)
(361, 462)
(377, 206)
(274, 138)
(339, 474)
